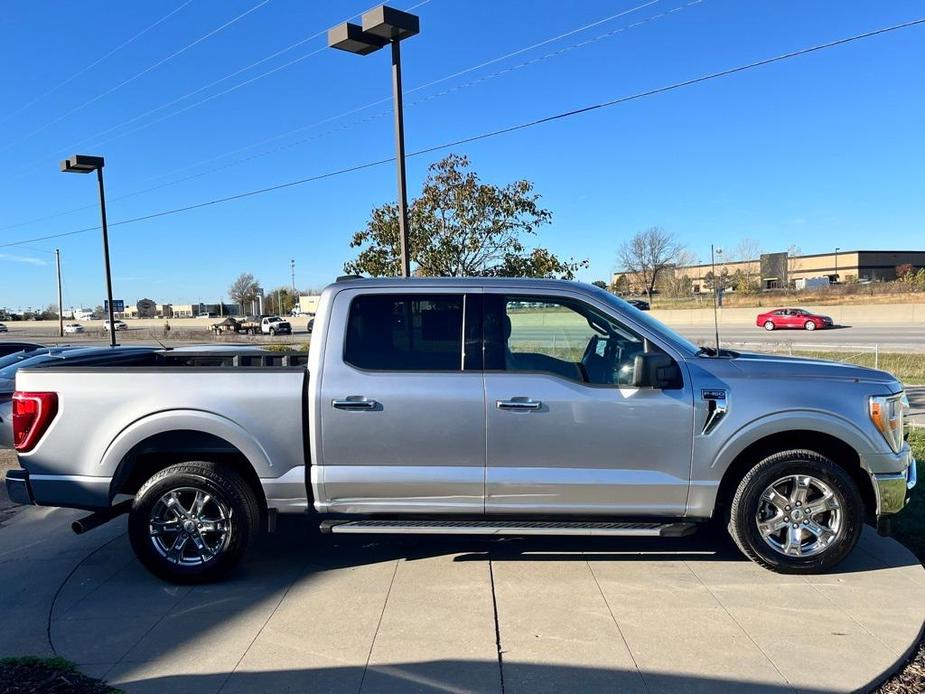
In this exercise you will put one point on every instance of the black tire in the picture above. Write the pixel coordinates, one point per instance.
(273, 332)
(225, 486)
(743, 517)
(769, 325)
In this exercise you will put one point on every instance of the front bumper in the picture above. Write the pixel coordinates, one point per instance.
(17, 487)
(892, 488)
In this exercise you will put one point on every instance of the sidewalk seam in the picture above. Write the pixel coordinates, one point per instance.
(257, 635)
(494, 608)
(617, 624)
(742, 629)
(372, 644)
(54, 599)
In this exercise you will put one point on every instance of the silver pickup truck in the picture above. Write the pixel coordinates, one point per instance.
(476, 406)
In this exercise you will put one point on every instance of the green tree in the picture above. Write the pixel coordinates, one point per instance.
(461, 227)
(600, 283)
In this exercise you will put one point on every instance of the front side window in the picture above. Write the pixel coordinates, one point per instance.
(407, 332)
(558, 336)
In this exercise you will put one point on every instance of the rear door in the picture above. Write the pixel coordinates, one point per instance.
(567, 433)
(402, 421)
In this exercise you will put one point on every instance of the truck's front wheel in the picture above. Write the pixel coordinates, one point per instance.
(796, 512)
(192, 522)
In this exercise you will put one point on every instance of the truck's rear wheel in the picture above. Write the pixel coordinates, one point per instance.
(796, 512)
(192, 522)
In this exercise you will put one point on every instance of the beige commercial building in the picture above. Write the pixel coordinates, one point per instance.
(779, 270)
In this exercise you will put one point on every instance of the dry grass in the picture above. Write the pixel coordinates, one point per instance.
(836, 295)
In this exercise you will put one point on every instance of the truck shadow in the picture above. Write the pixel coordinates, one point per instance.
(709, 543)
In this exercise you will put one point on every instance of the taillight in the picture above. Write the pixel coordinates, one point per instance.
(32, 413)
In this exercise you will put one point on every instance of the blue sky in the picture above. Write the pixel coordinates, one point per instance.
(818, 151)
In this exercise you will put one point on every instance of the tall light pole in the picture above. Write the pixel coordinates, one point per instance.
(837, 249)
(60, 303)
(83, 164)
(383, 25)
(292, 270)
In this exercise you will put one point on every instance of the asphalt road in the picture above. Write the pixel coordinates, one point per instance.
(889, 337)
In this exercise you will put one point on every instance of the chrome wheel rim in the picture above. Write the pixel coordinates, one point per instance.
(189, 527)
(769, 325)
(799, 516)
(810, 326)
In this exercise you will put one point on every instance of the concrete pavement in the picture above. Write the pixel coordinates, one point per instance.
(322, 613)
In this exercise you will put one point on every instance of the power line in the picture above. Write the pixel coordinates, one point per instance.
(96, 62)
(199, 90)
(501, 131)
(360, 108)
(134, 77)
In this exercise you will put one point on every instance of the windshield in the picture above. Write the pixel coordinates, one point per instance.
(646, 320)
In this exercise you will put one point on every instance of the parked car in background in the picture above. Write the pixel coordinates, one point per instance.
(13, 347)
(3, 328)
(118, 324)
(641, 304)
(795, 318)
(83, 314)
(274, 325)
(311, 323)
(469, 405)
(73, 328)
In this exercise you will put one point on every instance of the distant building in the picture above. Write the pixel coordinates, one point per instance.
(185, 310)
(779, 271)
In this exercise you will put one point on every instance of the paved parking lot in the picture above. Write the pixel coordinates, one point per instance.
(321, 613)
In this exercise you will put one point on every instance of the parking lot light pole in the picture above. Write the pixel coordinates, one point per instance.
(383, 25)
(837, 249)
(83, 164)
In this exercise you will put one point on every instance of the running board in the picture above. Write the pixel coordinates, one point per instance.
(491, 527)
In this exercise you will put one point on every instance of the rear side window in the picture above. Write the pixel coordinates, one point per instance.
(405, 332)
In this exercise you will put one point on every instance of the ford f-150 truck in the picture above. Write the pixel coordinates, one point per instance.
(483, 406)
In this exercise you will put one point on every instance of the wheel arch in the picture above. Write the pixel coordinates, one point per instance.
(155, 442)
(826, 444)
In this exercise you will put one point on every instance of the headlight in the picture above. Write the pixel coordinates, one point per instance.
(886, 412)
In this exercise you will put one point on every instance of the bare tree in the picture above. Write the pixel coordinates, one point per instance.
(243, 290)
(648, 254)
(748, 252)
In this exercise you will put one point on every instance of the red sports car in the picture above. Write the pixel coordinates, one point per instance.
(792, 318)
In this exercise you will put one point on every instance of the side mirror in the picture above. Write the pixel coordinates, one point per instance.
(655, 370)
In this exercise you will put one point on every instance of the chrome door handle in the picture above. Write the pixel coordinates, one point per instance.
(518, 404)
(354, 404)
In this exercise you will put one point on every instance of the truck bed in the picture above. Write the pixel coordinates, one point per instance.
(221, 402)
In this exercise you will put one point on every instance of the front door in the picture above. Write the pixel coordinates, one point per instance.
(402, 422)
(567, 432)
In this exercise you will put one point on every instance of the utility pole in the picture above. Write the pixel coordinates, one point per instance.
(60, 303)
(292, 270)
